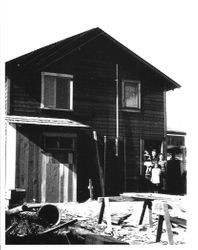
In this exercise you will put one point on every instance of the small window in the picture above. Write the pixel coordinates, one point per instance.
(131, 95)
(59, 143)
(57, 91)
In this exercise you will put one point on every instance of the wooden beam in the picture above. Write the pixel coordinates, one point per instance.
(168, 223)
(53, 229)
(101, 175)
(108, 214)
(159, 227)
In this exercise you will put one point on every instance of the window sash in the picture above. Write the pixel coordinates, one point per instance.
(131, 95)
(57, 91)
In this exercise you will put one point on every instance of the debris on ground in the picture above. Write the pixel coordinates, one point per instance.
(78, 224)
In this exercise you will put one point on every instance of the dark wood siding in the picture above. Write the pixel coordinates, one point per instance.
(28, 162)
(94, 71)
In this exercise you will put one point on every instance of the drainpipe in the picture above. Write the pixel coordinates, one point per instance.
(117, 113)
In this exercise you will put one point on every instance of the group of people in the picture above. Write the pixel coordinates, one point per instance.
(155, 168)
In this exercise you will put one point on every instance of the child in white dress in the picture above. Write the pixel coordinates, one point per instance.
(155, 177)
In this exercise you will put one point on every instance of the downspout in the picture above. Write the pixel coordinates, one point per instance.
(117, 114)
(165, 126)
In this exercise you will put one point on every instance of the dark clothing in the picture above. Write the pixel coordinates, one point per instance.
(173, 177)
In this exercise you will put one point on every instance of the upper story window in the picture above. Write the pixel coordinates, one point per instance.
(131, 95)
(56, 91)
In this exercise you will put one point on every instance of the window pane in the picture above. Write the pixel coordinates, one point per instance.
(62, 93)
(49, 91)
(51, 142)
(131, 95)
(66, 143)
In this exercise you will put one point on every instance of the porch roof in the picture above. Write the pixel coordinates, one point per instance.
(44, 121)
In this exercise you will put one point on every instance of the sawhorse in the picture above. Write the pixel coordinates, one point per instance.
(163, 215)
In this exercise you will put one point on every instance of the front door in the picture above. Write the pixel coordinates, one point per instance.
(59, 174)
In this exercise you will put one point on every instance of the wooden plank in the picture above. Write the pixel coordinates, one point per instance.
(149, 205)
(61, 186)
(74, 176)
(12, 227)
(95, 239)
(108, 214)
(101, 212)
(143, 212)
(30, 167)
(178, 221)
(25, 165)
(159, 227)
(116, 199)
(101, 176)
(168, 224)
(53, 229)
(52, 182)
(90, 187)
(153, 196)
(66, 182)
(43, 178)
(70, 183)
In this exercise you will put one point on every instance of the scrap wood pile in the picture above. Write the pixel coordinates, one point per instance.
(77, 223)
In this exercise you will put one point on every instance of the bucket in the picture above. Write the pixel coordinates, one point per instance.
(49, 215)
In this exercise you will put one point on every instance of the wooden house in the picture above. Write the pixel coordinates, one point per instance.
(58, 95)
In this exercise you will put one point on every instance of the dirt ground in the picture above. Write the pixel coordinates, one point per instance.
(128, 231)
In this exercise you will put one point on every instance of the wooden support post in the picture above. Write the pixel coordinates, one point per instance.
(105, 209)
(165, 216)
(159, 227)
(90, 187)
(104, 158)
(101, 212)
(101, 176)
(108, 214)
(143, 212)
(149, 204)
(168, 224)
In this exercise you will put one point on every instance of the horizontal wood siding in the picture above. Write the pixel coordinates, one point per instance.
(93, 68)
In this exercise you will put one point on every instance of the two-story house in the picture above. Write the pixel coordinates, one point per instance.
(58, 95)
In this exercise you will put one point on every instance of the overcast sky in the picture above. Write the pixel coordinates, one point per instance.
(160, 31)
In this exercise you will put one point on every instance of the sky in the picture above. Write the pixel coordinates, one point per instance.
(158, 31)
(162, 32)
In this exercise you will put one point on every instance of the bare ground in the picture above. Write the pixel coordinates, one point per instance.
(128, 231)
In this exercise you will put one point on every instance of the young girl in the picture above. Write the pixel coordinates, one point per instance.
(155, 177)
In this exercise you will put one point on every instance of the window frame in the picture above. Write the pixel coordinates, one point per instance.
(57, 136)
(131, 109)
(67, 76)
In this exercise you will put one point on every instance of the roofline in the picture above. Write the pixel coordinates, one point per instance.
(46, 46)
(100, 32)
(175, 132)
(44, 121)
(141, 60)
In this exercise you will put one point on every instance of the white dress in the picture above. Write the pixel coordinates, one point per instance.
(155, 177)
